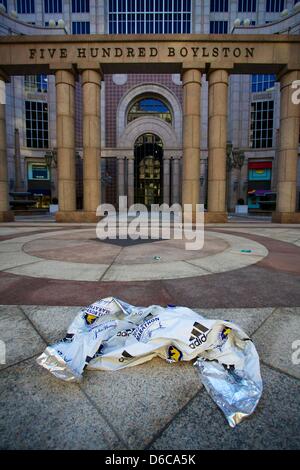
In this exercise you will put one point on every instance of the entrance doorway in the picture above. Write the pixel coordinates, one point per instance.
(148, 170)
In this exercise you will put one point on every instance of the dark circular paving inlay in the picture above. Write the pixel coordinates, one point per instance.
(127, 241)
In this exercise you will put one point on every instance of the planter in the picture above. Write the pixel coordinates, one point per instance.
(241, 209)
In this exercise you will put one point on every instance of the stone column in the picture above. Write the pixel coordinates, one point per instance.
(191, 80)
(244, 178)
(217, 137)
(234, 187)
(18, 173)
(288, 152)
(175, 180)
(5, 214)
(65, 135)
(121, 176)
(130, 180)
(203, 181)
(91, 86)
(166, 179)
(53, 175)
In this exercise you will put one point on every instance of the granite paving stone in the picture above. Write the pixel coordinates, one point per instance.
(139, 401)
(10, 260)
(10, 247)
(275, 423)
(224, 262)
(137, 272)
(20, 338)
(275, 338)
(38, 411)
(51, 322)
(62, 270)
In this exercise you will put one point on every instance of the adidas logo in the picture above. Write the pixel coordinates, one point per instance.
(125, 356)
(198, 335)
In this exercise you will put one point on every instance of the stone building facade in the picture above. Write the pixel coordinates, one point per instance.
(252, 171)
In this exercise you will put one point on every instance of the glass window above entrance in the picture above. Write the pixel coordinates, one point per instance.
(149, 106)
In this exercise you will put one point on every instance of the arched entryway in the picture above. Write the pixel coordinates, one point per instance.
(148, 169)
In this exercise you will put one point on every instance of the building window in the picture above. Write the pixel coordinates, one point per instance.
(53, 6)
(149, 106)
(247, 6)
(36, 83)
(262, 116)
(80, 6)
(274, 6)
(80, 27)
(25, 6)
(149, 16)
(218, 27)
(4, 3)
(218, 5)
(36, 113)
(261, 82)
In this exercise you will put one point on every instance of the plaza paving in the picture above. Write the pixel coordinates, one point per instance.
(247, 272)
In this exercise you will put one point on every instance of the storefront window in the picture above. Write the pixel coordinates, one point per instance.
(260, 195)
(38, 171)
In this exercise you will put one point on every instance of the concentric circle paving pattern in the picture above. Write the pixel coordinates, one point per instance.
(79, 255)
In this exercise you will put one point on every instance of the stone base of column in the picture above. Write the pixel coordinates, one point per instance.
(77, 217)
(286, 217)
(215, 217)
(7, 216)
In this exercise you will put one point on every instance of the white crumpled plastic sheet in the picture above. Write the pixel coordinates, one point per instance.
(110, 335)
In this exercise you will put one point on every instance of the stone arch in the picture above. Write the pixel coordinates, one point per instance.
(144, 125)
(149, 88)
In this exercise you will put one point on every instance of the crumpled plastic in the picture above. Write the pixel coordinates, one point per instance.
(111, 334)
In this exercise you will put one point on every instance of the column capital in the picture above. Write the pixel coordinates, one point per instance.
(167, 157)
(91, 76)
(217, 76)
(191, 75)
(290, 67)
(130, 157)
(224, 65)
(286, 76)
(201, 66)
(90, 66)
(65, 75)
(120, 157)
